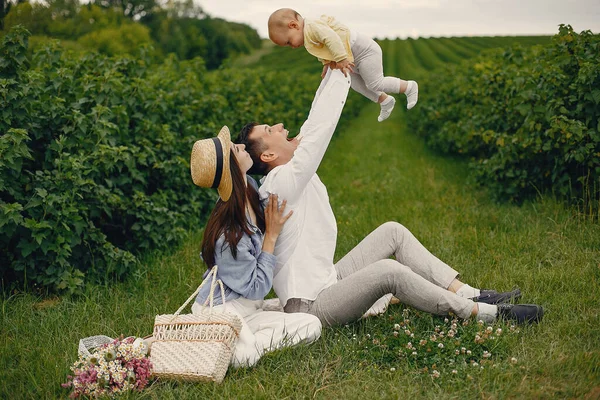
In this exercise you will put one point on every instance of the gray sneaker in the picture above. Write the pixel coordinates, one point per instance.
(521, 313)
(493, 297)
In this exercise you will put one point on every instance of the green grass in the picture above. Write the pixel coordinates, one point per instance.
(375, 173)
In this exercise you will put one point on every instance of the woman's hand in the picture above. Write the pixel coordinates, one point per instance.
(274, 220)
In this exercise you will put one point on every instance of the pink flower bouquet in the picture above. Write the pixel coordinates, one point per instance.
(111, 369)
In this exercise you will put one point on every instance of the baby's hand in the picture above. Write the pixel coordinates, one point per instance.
(344, 65)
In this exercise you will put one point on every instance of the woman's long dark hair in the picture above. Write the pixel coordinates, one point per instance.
(229, 217)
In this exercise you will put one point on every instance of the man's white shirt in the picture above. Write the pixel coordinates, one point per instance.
(306, 245)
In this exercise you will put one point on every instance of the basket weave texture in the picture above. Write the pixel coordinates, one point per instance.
(195, 347)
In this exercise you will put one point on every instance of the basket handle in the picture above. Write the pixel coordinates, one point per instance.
(213, 284)
(212, 294)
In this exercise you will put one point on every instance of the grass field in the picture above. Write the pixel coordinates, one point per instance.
(375, 172)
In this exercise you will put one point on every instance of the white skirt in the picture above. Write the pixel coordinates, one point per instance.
(264, 331)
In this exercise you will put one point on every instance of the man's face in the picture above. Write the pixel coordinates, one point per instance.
(278, 148)
(292, 36)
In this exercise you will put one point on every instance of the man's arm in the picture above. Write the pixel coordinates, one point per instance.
(289, 180)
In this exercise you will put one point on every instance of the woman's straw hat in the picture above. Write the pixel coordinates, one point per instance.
(210, 163)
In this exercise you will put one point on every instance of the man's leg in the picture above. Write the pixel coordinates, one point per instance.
(394, 240)
(351, 296)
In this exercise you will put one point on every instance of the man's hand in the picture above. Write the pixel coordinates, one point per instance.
(325, 68)
(345, 66)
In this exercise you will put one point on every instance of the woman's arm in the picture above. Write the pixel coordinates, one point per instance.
(250, 273)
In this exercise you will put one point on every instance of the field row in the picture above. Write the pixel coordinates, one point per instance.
(407, 58)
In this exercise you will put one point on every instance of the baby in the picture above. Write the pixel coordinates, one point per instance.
(338, 47)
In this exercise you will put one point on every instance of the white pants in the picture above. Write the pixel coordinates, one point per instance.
(264, 331)
(368, 78)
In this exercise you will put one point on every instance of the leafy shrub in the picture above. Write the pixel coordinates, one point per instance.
(124, 39)
(529, 118)
(94, 154)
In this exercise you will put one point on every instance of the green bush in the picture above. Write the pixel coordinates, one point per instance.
(94, 154)
(124, 39)
(529, 118)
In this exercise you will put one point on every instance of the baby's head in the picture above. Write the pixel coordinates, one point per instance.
(286, 28)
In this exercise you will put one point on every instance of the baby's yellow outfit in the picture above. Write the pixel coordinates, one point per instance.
(322, 39)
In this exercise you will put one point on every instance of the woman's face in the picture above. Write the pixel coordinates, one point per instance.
(242, 157)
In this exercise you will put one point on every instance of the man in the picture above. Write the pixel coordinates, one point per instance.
(307, 280)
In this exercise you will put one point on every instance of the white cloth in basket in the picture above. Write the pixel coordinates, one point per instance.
(264, 331)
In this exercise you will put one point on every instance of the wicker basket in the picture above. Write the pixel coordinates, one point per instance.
(195, 347)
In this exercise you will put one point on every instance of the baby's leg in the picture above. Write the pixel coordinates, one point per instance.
(386, 102)
(371, 70)
(358, 84)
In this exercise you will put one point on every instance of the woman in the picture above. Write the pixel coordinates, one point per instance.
(240, 239)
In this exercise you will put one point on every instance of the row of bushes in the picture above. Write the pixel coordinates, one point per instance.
(527, 117)
(94, 154)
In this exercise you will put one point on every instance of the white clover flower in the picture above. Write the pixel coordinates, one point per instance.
(513, 360)
(480, 322)
(414, 353)
(441, 345)
(454, 371)
(475, 364)
(397, 327)
(446, 320)
(499, 331)
(463, 350)
(454, 326)
(489, 329)
(392, 369)
(407, 332)
(468, 352)
(423, 342)
(457, 352)
(487, 354)
(412, 335)
(395, 333)
(405, 313)
(368, 336)
(435, 373)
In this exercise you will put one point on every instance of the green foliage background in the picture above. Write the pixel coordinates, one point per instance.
(114, 27)
(527, 116)
(94, 154)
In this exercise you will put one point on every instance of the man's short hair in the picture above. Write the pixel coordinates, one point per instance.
(255, 148)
